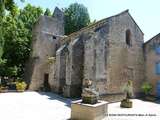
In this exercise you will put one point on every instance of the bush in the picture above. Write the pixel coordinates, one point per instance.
(147, 88)
(21, 86)
(3, 89)
(128, 90)
(6, 70)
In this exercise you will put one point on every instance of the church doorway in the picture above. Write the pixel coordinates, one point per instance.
(46, 85)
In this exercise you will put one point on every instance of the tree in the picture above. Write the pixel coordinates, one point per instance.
(18, 37)
(47, 12)
(29, 15)
(76, 17)
(5, 5)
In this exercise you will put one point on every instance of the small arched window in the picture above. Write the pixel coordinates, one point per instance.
(128, 38)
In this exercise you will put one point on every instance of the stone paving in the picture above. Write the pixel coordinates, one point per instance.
(33, 106)
(49, 106)
(142, 110)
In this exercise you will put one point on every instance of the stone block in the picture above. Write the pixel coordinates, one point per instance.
(81, 111)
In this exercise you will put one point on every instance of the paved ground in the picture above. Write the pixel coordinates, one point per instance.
(48, 106)
(33, 106)
(141, 111)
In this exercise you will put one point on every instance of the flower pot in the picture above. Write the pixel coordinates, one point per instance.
(20, 90)
(3, 91)
(126, 103)
(89, 99)
(150, 98)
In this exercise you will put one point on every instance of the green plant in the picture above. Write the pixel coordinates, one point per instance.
(147, 88)
(3, 89)
(128, 89)
(76, 17)
(21, 86)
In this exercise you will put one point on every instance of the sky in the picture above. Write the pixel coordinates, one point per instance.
(146, 13)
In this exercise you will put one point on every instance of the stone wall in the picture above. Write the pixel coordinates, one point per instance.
(95, 58)
(108, 61)
(98, 53)
(125, 62)
(151, 58)
(86, 59)
(46, 34)
(74, 68)
(60, 69)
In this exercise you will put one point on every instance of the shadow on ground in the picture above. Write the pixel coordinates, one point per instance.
(53, 96)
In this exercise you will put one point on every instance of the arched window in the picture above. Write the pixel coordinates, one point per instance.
(54, 37)
(128, 38)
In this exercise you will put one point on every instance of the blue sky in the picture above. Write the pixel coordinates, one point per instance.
(145, 12)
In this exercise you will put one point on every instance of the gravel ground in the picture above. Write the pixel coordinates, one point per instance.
(49, 106)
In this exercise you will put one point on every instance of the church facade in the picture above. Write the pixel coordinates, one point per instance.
(109, 53)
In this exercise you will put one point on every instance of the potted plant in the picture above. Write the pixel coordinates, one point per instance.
(128, 90)
(147, 89)
(89, 95)
(3, 89)
(21, 86)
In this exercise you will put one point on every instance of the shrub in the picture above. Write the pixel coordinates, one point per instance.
(128, 89)
(3, 89)
(21, 86)
(147, 88)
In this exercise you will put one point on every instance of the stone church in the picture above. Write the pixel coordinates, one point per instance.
(109, 53)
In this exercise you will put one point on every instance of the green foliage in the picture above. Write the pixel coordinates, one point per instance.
(16, 32)
(147, 88)
(3, 89)
(9, 4)
(76, 17)
(6, 70)
(6, 5)
(2, 62)
(2, 67)
(18, 36)
(21, 86)
(14, 11)
(128, 89)
(47, 12)
(29, 15)
(1, 51)
(93, 22)
(11, 8)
